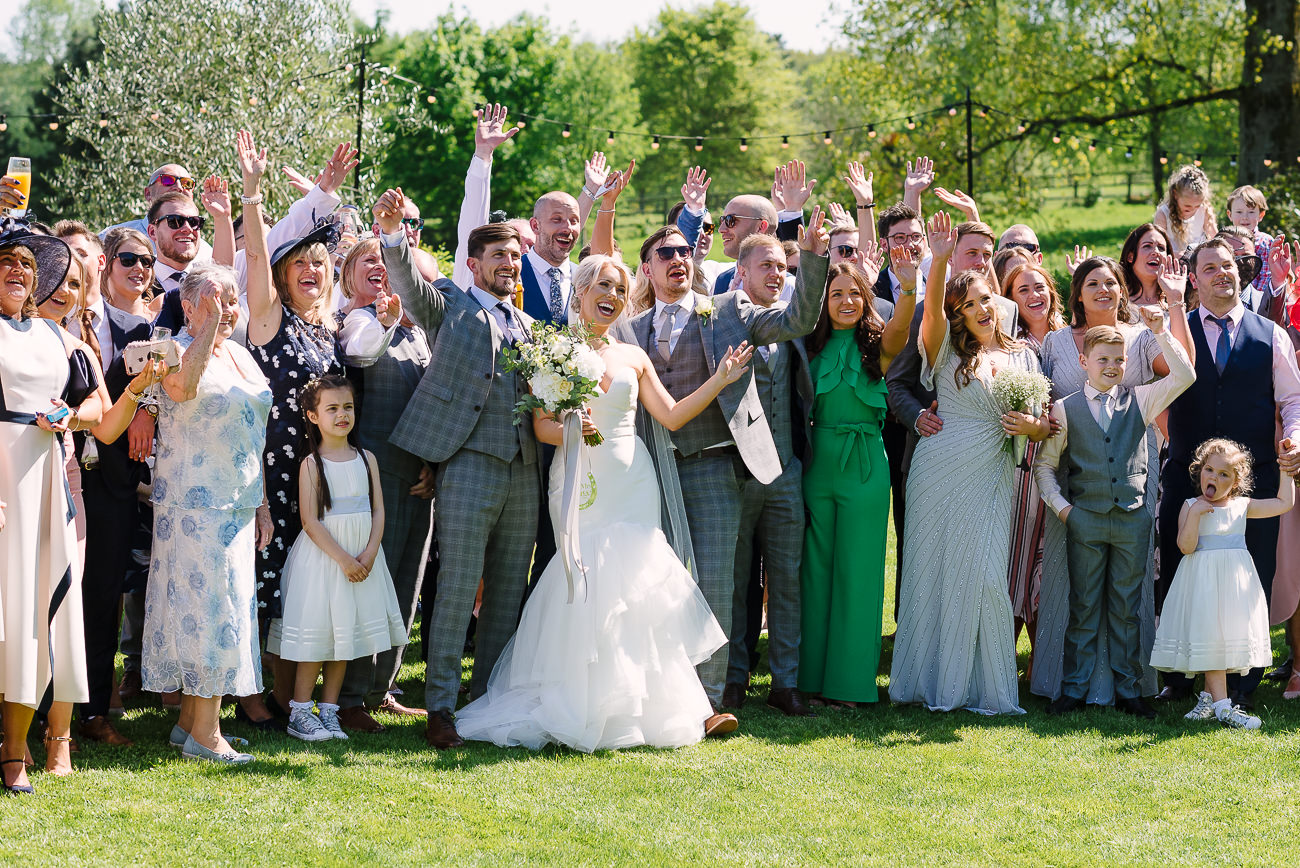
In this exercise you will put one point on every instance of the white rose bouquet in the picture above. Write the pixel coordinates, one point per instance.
(562, 371)
(1021, 392)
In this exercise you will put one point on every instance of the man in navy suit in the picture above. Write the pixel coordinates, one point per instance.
(546, 272)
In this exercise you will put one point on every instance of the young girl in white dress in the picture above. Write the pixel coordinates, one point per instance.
(339, 603)
(1215, 618)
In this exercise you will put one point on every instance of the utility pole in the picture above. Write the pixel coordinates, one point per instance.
(970, 146)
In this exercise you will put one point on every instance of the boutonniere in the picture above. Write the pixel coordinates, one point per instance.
(703, 307)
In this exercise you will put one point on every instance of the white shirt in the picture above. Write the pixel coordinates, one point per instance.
(542, 270)
(1286, 374)
(686, 305)
(1152, 399)
(512, 327)
(363, 338)
(473, 214)
(99, 318)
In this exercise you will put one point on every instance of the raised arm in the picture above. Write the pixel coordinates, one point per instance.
(694, 193)
(490, 133)
(861, 182)
(1268, 507)
(959, 200)
(674, 414)
(920, 175)
(894, 338)
(784, 323)
(594, 174)
(264, 310)
(120, 414)
(934, 323)
(216, 201)
(423, 300)
(183, 384)
(602, 237)
(1173, 280)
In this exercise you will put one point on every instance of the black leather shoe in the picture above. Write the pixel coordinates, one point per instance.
(1245, 701)
(733, 695)
(1281, 673)
(1172, 694)
(788, 701)
(1065, 704)
(1136, 706)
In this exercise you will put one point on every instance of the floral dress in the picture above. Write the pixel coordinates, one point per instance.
(297, 354)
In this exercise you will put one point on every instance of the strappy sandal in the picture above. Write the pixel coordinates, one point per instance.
(17, 789)
(1293, 685)
(55, 739)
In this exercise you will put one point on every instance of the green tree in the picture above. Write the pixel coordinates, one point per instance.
(175, 81)
(538, 75)
(712, 73)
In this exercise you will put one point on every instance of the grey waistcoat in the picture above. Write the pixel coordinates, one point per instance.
(684, 372)
(1107, 470)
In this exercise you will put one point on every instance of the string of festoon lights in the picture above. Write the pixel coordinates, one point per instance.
(1074, 135)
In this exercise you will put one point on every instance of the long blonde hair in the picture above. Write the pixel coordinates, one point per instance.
(1186, 180)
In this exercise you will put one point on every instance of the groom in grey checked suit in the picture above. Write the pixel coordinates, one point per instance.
(685, 335)
(488, 483)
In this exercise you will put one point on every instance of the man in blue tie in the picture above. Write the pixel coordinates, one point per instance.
(546, 272)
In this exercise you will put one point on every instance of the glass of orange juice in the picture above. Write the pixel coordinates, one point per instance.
(20, 169)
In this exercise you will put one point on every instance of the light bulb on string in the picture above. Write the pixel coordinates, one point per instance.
(655, 144)
(567, 131)
(4, 123)
(785, 141)
(1232, 161)
(744, 145)
(826, 138)
(1268, 161)
(1092, 146)
(952, 111)
(699, 143)
(610, 139)
(1020, 128)
(1056, 138)
(911, 124)
(1197, 161)
(347, 67)
(429, 99)
(301, 88)
(1128, 153)
(871, 131)
(1164, 158)
(982, 112)
(252, 100)
(54, 125)
(103, 119)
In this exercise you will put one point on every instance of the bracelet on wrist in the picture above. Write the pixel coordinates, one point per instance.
(604, 210)
(255, 199)
(867, 207)
(132, 396)
(588, 192)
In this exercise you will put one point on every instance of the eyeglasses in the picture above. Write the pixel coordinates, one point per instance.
(668, 254)
(186, 184)
(416, 223)
(848, 251)
(1031, 247)
(728, 221)
(900, 239)
(706, 228)
(176, 221)
(129, 260)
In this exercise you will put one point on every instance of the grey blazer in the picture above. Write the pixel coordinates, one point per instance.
(465, 363)
(735, 319)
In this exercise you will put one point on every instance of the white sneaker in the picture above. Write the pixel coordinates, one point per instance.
(1204, 709)
(329, 718)
(1237, 718)
(306, 726)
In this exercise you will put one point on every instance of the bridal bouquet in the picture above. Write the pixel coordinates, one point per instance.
(1022, 392)
(562, 371)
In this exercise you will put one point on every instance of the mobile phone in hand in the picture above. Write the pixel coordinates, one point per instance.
(57, 415)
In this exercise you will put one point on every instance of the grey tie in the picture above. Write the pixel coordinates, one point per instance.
(513, 331)
(557, 297)
(1104, 417)
(664, 331)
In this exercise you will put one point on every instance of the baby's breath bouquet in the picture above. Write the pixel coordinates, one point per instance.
(562, 371)
(1022, 392)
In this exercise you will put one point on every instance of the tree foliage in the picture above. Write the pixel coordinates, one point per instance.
(175, 81)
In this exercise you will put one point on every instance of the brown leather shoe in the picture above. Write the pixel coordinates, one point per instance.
(441, 733)
(720, 724)
(357, 719)
(733, 695)
(392, 706)
(99, 729)
(788, 701)
(130, 687)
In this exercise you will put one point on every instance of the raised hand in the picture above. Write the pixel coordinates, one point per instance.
(942, 235)
(959, 200)
(252, 162)
(837, 214)
(873, 259)
(616, 183)
(207, 313)
(388, 309)
(814, 238)
(1153, 315)
(860, 182)
(298, 180)
(1080, 254)
(778, 201)
(343, 160)
(216, 196)
(905, 262)
(920, 176)
(1172, 278)
(490, 132)
(388, 211)
(696, 189)
(594, 174)
(795, 186)
(1279, 260)
(733, 365)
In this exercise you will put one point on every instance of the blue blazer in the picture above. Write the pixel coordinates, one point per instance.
(537, 299)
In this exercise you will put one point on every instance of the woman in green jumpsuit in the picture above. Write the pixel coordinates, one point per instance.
(846, 488)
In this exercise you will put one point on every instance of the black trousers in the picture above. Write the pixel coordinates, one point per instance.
(110, 527)
(895, 437)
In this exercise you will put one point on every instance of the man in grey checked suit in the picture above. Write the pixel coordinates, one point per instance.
(461, 419)
(685, 335)
(389, 354)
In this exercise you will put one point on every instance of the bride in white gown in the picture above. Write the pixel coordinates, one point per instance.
(615, 667)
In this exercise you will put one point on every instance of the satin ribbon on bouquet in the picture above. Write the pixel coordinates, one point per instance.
(570, 498)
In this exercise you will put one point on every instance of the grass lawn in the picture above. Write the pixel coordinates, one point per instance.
(884, 786)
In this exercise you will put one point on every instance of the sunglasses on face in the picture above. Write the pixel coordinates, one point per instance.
(176, 221)
(186, 184)
(1025, 245)
(129, 260)
(848, 251)
(729, 221)
(668, 254)
(416, 223)
(900, 239)
(706, 229)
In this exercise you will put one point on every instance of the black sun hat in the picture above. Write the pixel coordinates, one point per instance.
(53, 256)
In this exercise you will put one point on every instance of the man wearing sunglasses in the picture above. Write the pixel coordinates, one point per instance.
(1022, 236)
(171, 178)
(684, 336)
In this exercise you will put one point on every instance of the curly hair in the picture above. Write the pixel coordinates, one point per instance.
(870, 326)
(964, 343)
(1237, 457)
(1185, 181)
